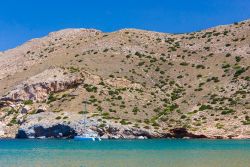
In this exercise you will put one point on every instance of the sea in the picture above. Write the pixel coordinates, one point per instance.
(125, 153)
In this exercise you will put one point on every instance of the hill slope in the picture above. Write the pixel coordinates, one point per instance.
(137, 83)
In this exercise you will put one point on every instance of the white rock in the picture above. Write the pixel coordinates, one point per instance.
(1, 129)
(141, 137)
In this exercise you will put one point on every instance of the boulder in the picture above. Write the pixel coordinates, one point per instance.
(25, 109)
(41, 109)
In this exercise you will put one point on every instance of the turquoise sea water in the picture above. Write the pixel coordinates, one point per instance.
(125, 153)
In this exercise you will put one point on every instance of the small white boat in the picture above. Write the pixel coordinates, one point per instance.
(87, 137)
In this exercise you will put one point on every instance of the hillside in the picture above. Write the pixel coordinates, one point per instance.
(136, 83)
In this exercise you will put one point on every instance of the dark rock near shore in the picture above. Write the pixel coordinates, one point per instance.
(182, 133)
(56, 131)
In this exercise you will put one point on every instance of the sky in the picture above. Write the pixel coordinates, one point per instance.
(22, 20)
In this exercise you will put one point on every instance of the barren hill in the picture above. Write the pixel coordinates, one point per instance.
(136, 83)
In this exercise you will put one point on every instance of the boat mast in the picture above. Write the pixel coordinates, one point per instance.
(84, 112)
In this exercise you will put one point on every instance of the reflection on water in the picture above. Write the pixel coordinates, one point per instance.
(125, 153)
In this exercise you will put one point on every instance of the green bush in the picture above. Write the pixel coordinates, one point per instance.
(239, 71)
(238, 59)
(51, 98)
(105, 50)
(184, 64)
(28, 102)
(74, 69)
(205, 107)
(124, 122)
(141, 63)
(135, 110)
(200, 66)
(228, 111)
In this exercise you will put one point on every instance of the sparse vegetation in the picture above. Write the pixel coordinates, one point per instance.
(138, 78)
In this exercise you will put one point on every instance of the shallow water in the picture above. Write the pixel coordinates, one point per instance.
(125, 153)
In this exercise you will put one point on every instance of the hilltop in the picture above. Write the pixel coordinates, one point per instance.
(137, 84)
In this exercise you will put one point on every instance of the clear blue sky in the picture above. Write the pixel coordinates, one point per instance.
(21, 20)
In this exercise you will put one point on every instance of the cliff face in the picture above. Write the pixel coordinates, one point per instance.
(137, 84)
(39, 87)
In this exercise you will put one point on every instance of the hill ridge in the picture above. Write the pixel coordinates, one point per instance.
(154, 84)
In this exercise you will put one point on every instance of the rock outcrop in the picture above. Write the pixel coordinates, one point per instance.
(43, 125)
(55, 131)
(39, 87)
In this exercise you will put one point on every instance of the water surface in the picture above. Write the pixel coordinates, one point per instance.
(125, 153)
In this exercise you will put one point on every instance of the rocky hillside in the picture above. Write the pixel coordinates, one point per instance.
(136, 84)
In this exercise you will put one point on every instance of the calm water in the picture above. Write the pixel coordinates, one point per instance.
(125, 153)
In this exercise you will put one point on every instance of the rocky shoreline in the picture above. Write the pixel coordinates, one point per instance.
(40, 126)
(37, 127)
(65, 131)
